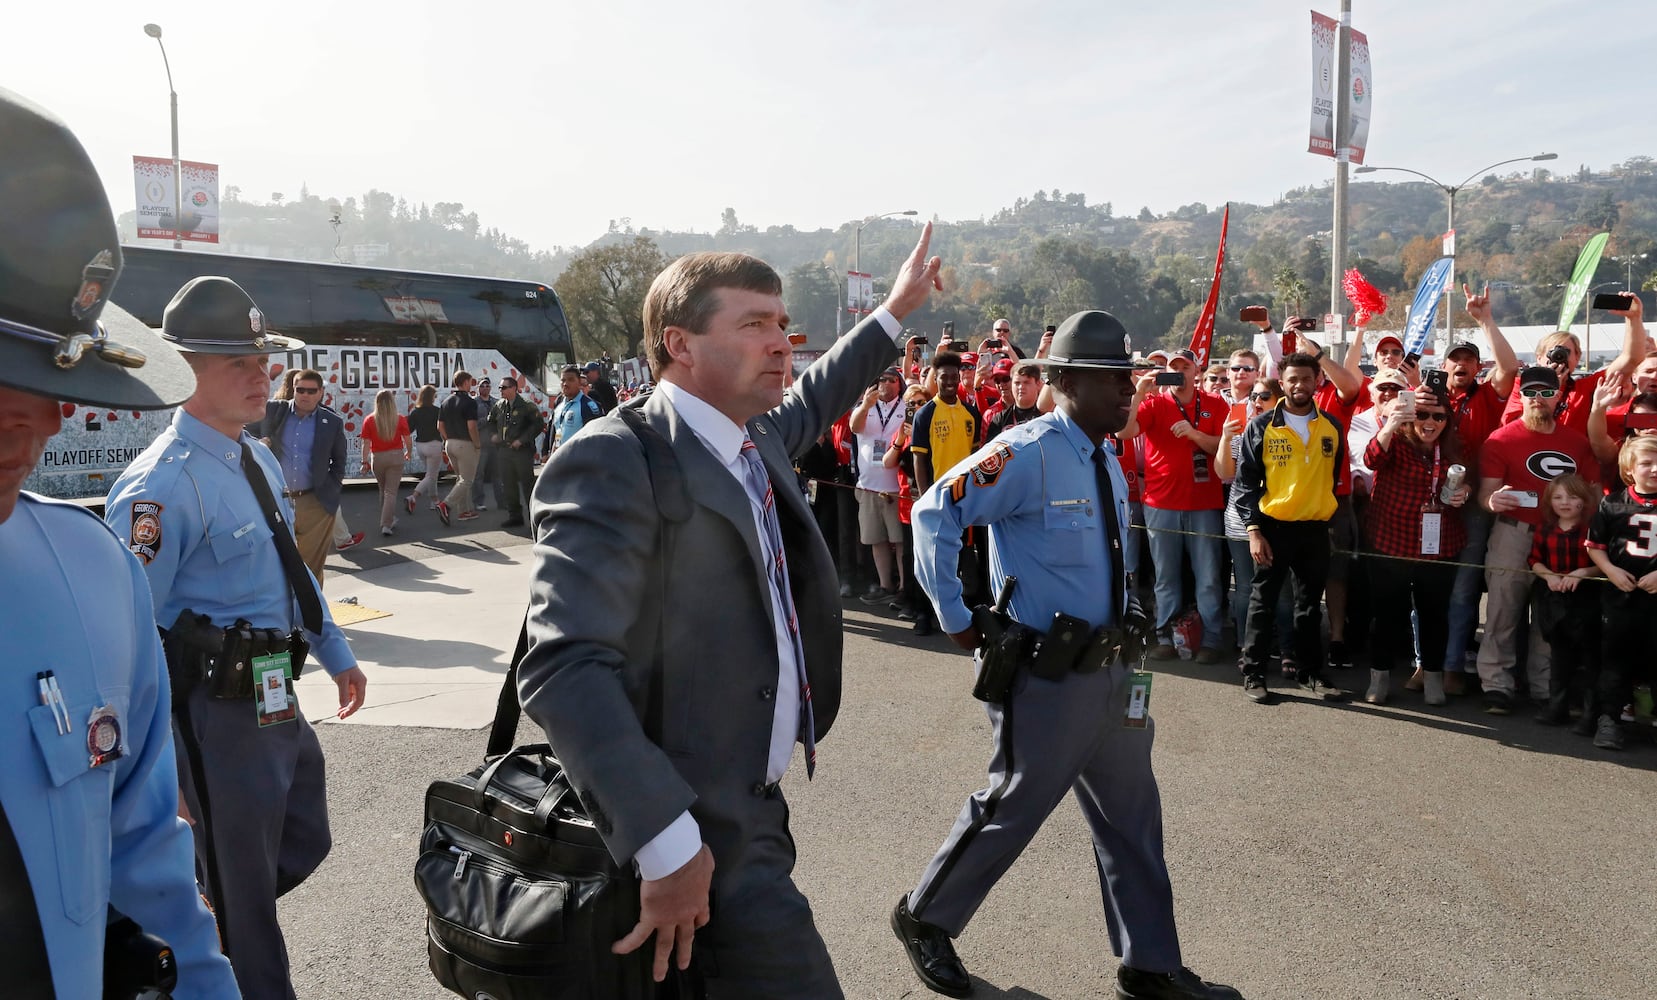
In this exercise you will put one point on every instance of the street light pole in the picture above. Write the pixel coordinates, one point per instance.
(1628, 285)
(857, 258)
(154, 31)
(835, 278)
(1450, 191)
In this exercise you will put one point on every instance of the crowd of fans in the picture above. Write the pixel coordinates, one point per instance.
(1528, 491)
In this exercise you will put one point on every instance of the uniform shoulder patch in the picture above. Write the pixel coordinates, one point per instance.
(988, 469)
(146, 530)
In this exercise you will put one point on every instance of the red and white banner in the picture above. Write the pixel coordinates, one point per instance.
(860, 292)
(1202, 340)
(1325, 31)
(198, 201)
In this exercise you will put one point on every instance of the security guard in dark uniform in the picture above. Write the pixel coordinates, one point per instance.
(1056, 655)
(203, 510)
(518, 421)
(89, 793)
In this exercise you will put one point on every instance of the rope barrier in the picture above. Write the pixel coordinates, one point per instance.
(1355, 554)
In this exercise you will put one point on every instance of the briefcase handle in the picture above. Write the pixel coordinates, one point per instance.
(481, 794)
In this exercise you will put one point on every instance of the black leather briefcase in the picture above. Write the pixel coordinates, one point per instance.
(522, 898)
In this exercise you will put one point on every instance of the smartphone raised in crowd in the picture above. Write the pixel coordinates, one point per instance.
(1406, 403)
(1170, 378)
(1613, 300)
(1254, 314)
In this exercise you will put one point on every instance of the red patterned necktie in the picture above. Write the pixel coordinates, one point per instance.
(759, 488)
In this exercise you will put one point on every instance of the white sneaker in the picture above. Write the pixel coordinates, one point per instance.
(385, 532)
(1379, 683)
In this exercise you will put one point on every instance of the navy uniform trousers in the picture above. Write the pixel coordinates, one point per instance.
(267, 803)
(1050, 738)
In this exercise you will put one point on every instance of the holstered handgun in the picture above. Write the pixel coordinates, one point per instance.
(1006, 645)
(191, 646)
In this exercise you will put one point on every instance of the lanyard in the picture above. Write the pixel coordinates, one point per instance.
(1432, 491)
(1196, 400)
(887, 415)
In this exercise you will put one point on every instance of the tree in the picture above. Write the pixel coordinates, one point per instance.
(1600, 213)
(812, 296)
(603, 291)
(1145, 214)
(1290, 289)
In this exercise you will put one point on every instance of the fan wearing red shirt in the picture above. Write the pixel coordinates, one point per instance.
(1573, 405)
(1183, 496)
(1516, 464)
(1477, 408)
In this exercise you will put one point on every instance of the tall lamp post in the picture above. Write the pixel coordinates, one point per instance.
(1450, 191)
(1628, 285)
(834, 276)
(154, 31)
(857, 260)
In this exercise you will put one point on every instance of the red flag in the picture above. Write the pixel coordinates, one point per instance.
(1203, 338)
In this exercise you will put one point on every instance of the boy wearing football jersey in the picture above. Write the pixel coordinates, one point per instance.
(1622, 542)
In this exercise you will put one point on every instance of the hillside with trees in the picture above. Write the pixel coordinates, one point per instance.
(1041, 258)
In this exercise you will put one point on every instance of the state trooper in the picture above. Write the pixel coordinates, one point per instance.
(518, 422)
(203, 509)
(89, 793)
(1056, 658)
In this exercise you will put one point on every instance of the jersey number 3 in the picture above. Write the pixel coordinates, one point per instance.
(1645, 546)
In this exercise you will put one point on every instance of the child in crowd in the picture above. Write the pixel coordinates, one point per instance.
(1566, 613)
(1622, 541)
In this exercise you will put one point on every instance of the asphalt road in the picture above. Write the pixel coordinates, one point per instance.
(1316, 850)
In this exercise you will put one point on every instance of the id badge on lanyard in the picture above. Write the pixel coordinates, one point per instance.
(1199, 458)
(1432, 517)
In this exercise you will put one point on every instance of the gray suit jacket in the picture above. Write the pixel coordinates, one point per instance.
(602, 625)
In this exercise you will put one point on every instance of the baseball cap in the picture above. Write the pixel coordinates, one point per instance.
(1389, 337)
(1002, 367)
(1182, 355)
(969, 358)
(1465, 346)
(1538, 377)
(1389, 376)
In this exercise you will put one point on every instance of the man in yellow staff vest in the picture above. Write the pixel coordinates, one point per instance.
(1292, 459)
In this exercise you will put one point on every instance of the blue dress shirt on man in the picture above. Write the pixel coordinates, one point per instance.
(298, 437)
(78, 605)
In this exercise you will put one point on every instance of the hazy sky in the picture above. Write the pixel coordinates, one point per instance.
(549, 119)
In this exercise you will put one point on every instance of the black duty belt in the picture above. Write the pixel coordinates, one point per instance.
(290, 494)
(201, 653)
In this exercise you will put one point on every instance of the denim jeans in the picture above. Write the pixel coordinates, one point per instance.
(1464, 599)
(1171, 540)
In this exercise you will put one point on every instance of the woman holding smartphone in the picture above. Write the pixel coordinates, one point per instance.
(1414, 516)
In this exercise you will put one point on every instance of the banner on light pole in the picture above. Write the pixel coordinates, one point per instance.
(152, 178)
(860, 291)
(1325, 32)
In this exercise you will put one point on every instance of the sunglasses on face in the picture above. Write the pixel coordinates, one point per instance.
(1242, 368)
(1389, 390)
(1261, 397)
(1218, 378)
(1003, 329)
(1430, 417)
(1539, 393)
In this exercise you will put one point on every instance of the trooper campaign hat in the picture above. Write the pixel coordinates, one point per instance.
(60, 256)
(1091, 339)
(212, 315)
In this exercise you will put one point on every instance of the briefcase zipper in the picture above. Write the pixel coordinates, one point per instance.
(463, 856)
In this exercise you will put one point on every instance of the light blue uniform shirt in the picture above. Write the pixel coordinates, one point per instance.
(72, 602)
(212, 552)
(1035, 489)
(298, 438)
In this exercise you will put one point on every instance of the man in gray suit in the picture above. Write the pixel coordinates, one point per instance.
(620, 630)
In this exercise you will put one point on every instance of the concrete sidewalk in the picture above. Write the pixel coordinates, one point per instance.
(438, 658)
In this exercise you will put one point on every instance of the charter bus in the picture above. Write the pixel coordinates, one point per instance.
(364, 328)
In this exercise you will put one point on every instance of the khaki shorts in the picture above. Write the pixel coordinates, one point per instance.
(877, 518)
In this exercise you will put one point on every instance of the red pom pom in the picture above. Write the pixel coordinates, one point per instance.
(1367, 300)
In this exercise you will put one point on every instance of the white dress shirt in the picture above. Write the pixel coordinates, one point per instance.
(671, 849)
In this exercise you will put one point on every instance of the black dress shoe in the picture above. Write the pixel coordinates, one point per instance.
(1132, 984)
(931, 953)
(923, 624)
